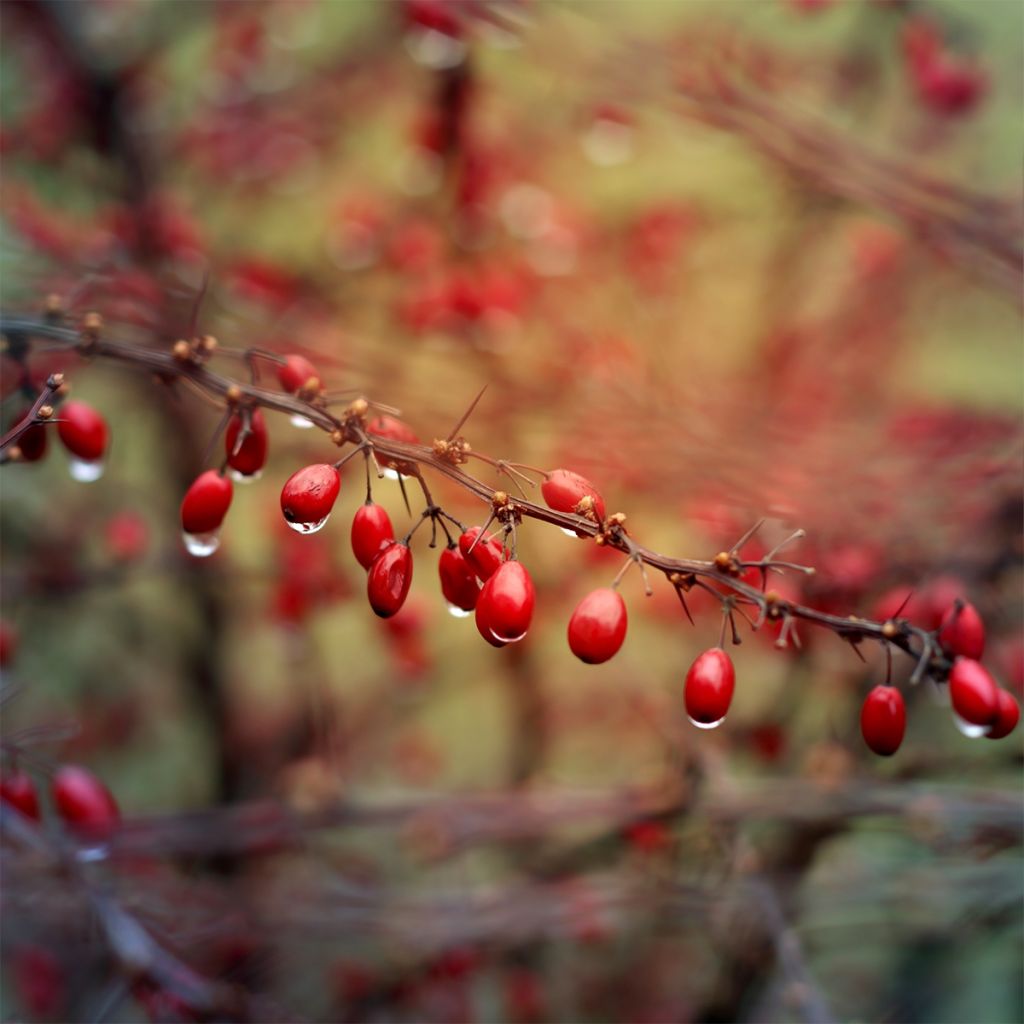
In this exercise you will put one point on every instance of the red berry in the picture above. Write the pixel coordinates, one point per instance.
(371, 533)
(19, 791)
(393, 430)
(708, 689)
(248, 458)
(1007, 716)
(962, 633)
(82, 800)
(32, 443)
(883, 720)
(506, 602)
(973, 692)
(483, 556)
(598, 626)
(296, 373)
(483, 623)
(387, 584)
(309, 495)
(563, 490)
(458, 580)
(82, 430)
(206, 503)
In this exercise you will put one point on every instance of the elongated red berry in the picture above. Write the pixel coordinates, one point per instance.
(83, 431)
(973, 692)
(484, 556)
(506, 602)
(707, 692)
(247, 458)
(387, 584)
(598, 626)
(1007, 716)
(308, 497)
(19, 791)
(371, 533)
(563, 491)
(393, 430)
(32, 443)
(83, 801)
(206, 503)
(883, 720)
(483, 623)
(297, 373)
(458, 580)
(962, 633)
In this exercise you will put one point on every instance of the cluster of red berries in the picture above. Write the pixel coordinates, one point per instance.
(980, 706)
(82, 431)
(80, 799)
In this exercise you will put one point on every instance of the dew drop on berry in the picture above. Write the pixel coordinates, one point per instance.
(707, 725)
(305, 528)
(568, 533)
(201, 545)
(85, 471)
(458, 613)
(969, 729)
(302, 422)
(244, 478)
(508, 639)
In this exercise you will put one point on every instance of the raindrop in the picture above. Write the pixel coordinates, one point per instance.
(568, 533)
(202, 545)
(84, 471)
(508, 639)
(707, 725)
(458, 613)
(245, 478)
(309, 527)
(391, 474)
(969, 729)
(302, 422)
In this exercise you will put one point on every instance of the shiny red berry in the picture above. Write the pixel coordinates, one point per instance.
(883, 720)
(458, 580)
(371, 533)
(309, 495)
(484, 556)
(206, 503)
(598, 626)
(707, 692)
(506, 602)
(297, 373)
(563, 491)
(483, 624)
(1007, 716)
(82, 801)
(387, 584)
(83, 431)
(248, 457)
(19, 791)
(32, 443)
(962, 633)
(973, 692)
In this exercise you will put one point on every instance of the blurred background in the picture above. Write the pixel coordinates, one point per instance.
(730, 261)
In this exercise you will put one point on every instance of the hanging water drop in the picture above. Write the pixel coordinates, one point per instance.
(86, 471)
(244, 478)
(302, 422)
(201, 545)
(969, 729)
(706, 725)
(458, 613)
(305, 528)
(508, 639)
(568, 533)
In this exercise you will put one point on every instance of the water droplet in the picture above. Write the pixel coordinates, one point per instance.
(707, 725)
(244, 478)
(91, 854)
(458, 613)
(568, 533)
(508, 639)
(86, 472)
(969, 729)
(392, 474)
(302, 422)
(309, 527)
(435, 49)
(201, 545)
